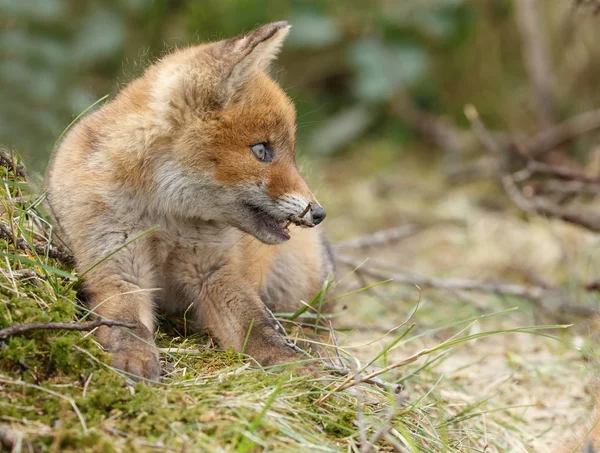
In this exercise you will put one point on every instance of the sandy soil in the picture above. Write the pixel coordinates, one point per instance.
(472, 231)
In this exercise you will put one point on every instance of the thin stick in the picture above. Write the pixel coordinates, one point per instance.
(589, 220)
(378, 238)
(22, 274)
(558, 186)
(530, 292)
(556, 136)
(306, 209)
(562, 172)
(383, 429)
(383, 385)
(87, 383)
(336, 344)
(360, 416)
(23, 328)
(48, 250)
(548, 299)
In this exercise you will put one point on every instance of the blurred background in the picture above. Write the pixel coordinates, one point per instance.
(381, 87)
(360, 72)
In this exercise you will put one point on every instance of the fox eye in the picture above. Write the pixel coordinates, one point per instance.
(262, 152)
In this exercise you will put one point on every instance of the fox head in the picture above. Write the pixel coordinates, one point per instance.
(230, 153)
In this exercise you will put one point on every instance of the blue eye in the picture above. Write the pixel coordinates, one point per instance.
(262, 152)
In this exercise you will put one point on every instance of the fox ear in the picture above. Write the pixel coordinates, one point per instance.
(201, 78)
(253, 52)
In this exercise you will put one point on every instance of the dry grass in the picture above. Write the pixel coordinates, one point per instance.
(483, 380)
(474, 232)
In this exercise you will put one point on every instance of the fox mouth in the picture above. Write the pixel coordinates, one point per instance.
(267, 223)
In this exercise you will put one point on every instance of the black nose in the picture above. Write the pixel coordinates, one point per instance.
(318, 214)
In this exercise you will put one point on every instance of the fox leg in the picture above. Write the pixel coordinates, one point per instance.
(236, 316)
(229, 308)
(117, 291)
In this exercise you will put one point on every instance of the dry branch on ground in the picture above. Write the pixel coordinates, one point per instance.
(19, 329)
(588, 219)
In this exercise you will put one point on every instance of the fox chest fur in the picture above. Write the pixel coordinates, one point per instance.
(182, 194)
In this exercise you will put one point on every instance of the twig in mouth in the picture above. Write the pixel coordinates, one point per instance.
(301, 216)
(18, 329)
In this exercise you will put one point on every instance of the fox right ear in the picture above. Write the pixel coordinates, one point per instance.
(186, 83)
(252, 53)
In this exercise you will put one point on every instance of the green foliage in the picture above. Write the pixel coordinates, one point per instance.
(57, 388)
(61, 56)
(341, 58)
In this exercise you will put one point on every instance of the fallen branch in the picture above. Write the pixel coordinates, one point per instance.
(18, 329)
(588, 220)
(558, 186)
(379, 238)
(551, 300)
(539, 168)
(453, 284)
(22, 274)
(561, 134)
(48, 250)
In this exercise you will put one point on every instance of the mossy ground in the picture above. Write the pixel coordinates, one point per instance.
(479, 393)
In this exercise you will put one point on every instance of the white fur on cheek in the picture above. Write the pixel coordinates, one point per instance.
(293, 204)
(179, 192)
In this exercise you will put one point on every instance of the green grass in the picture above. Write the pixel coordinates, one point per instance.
(59, 393)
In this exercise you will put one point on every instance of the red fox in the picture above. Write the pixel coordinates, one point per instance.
(202, 144)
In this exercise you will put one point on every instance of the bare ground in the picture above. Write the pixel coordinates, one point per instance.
(472, 231)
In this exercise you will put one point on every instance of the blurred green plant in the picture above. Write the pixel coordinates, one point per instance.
(59, 56)
(344, 64)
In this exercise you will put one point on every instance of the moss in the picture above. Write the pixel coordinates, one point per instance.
(55, 383)
(206, 402)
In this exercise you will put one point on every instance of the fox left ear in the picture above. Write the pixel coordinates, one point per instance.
(253, 52)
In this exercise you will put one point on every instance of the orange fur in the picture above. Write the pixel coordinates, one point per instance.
(173, 149)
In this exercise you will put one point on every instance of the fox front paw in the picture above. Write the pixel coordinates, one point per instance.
(140, 363)
(272, 351)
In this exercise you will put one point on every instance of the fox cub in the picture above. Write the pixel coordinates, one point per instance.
(202, 145)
